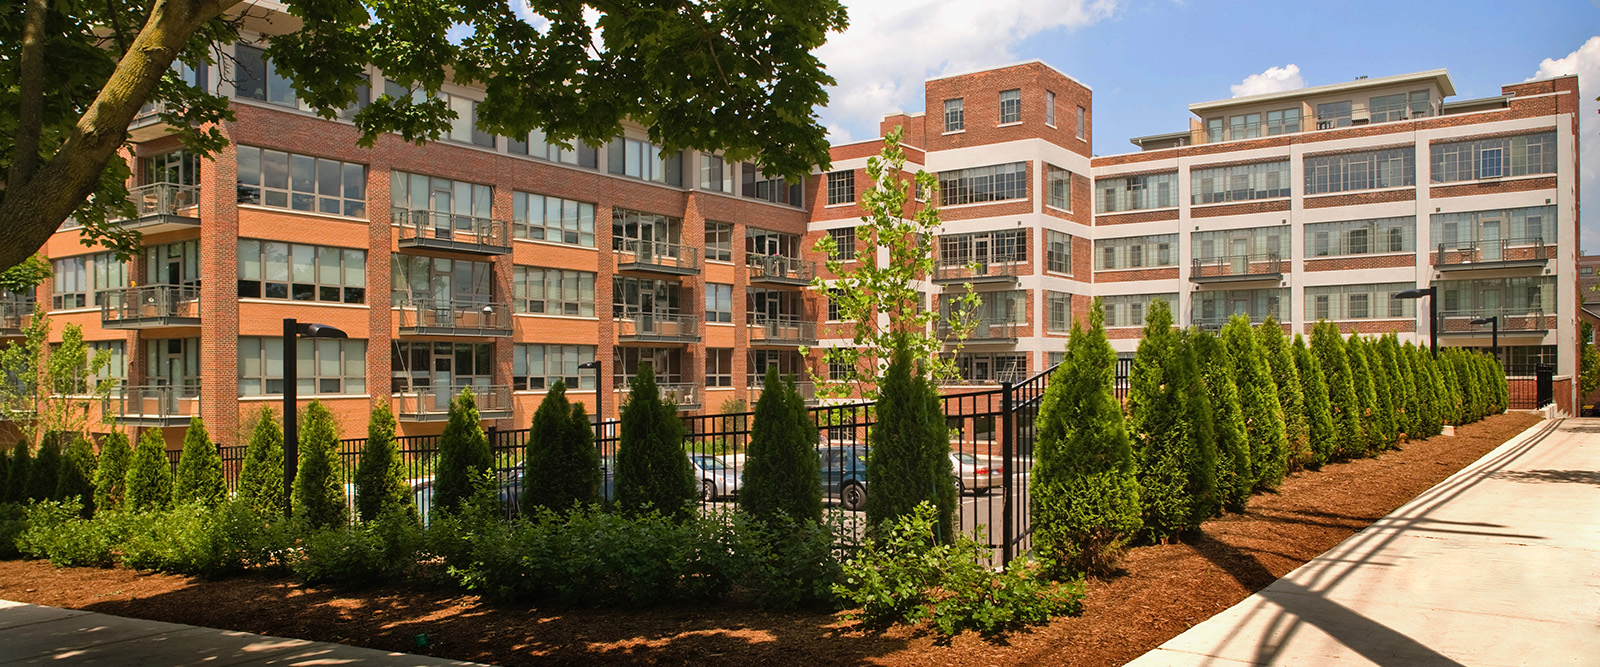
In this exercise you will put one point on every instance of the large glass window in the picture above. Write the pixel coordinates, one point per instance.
(553, 291)
(1368, 170)
(1385, 108)
(992, 366)
(1128, 310)
(459, 199)
(760, 242)
(552, 219)
(1493, 158)
(326, 366)
(756, 185)
(537, 146)
(1049, 108)
(1359, 302)
(539, 367)
(1533, 225)
(1361, 237)
(844, 239)
(1058, 185)
(643, 160)
(1264, 180)
(628, 225)
(78, 282)
(643, 295)
(416, 365)
(719, 367)
(258, 79)
(1058, 252)
(1285, 121)
(719, 241)
(719, 303)
(983, 247)
(1133, 193)
(176, 167)
(301, 182)
(1212, 309)
(715, 173)
(1334, 114)
(1495, 296)
(1257, 241)
(298, 272)
(1011, 106)
(417, 278)
(1010, 306)
(1059, 306)
(955, 115)
(984, 184)
(116, 362)
(841, 187)
(1136, 252)
(667, 363)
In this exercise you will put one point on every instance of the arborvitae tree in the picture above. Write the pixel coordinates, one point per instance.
(1319, 416)
(781, 467)
(1085, 493)
(1405, 397)
(903, 464)
(464, 455)
(1234, 481)
(1383, 382)
(21, 470)
(46, 470)
(1291, 395)
(5, 476)
(1169, 419)
(381, 484)
(111, 475)
(652, 470)
(1328, 345)
(1502, 390)
(1478, 387)
(261, 477)
(561, 465)
(1421, 389)
(1450, 388)
(1259, 403)
(1366, 396)
(1442, 398)
(1428, 388)
(149, 480)
(76, 477)
(318, 497)
(199, 477)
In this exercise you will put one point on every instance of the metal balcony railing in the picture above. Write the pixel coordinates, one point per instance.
(1495, 254)
(1257, 266)
(782, 331)
(431, 317)
(805, 388)
(435, 230)
(15, 311)
(656, 257)
(643, 326)
(150, 307)
(777, 270)
(1512, 320)
(685, 395)
(994, 269)
(432, 404)
(165, 206)
(982, 332)
(160, 405)
(1216, 322)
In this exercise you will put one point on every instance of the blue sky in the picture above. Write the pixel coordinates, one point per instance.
(1147, 60)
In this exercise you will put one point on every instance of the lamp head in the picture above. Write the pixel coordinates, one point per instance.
(319, 331)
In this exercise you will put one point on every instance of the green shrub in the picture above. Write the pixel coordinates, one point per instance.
(1361, 375)
(45, 472)
(318, 499)
(1234, 481)
(5, 476)
(13, 520)
(1345, 407)
(261, 477)
(1400, 385)
(57, 531)
(1319, 416)
(149, 479)
(1085, 494)
(199, 477)
(561, 465)
(781, 471)
(908, 575)
(212, 542)
(1291, 393)
(1450, 388)
(75, 479)
(1259, 404)
(21, 470)
(111, 475)
(784, 563)
(1422, 387)
(652, 470)
(463, 454)
(383, 548)
(1383, 386)
(1169, 420)
(909, 460)
(381, 484)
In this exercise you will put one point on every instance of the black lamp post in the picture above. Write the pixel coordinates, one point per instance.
(599, 413)
(291, 371)
(1433, 313)
(1494, 340)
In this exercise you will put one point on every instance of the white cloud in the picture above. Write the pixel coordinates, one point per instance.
(1584, 62)
(1275, 79)
(892, 46)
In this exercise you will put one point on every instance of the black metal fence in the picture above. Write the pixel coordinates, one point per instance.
(1529, 386)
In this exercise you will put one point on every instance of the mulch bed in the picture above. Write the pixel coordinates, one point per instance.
(1162, 591)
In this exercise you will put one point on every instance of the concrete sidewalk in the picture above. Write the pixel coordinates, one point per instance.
(1497, 565)
(30, 635)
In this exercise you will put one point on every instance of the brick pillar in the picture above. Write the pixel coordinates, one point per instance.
(504, 346)
(380, 253)
(219, 296)
(693, 235)
(605, 341)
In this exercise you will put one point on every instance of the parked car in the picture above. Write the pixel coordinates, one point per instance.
(843, 472)
(717, 479)
(509, 481)
(975, 474)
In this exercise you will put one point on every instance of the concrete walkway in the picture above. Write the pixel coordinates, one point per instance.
(1497, 565)
(34, 635)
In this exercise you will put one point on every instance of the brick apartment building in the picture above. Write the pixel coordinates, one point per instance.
(489, 261)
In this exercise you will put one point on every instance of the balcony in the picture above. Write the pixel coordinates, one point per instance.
(982, 332)
(805, 388)
(1512, 321)
(684, 395)
(775, 270)
(1530, 253)
(1237, 268)
(150, 307)
(428, 317)
(1214, 324)
(432, 230)
(1000, 269)
(656, 257)
(782, 331)
(164, 207)
(15, 312)
(432, 404)
(636, 326)
(148, 125)
(159, 405)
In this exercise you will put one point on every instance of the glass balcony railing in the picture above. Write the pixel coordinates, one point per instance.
(805, 388)
(1257, 266)
(684, 395)
(643, 326)
(434, 230)
(776, 270)
(15, 312)
(1493, 254)
(982, 332)
(150, 307)
(164, 206)
(656, 257)
(1512, 320)
(434, 317)
(997, 269)
(160, 404)
(432, 404)
(782, 331)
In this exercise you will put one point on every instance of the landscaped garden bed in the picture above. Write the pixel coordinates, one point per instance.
(1159, 592)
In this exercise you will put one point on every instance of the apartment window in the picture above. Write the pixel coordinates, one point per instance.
(553, 291)
(1421, 104)
(1523, 155)
(301, 182)
(1049, 108)
(991, 367)
(1136, 252)
(552, 219)
(1215, 131)
(1368, 170)
(760, 243)
(1359, 302)
(643, 160)
(1010, 106)
(1333, 114)
(418, 278)
(643, 295)
(1212, 309)
(756, 185)
(841, 187)
(719, 367)
(955, 116)
(844, 240)
(1244, 126)
(1060, 311)
(538, 367)
(1264, 180)
(1058, 186)
(984, 184)
(1134, 193)
(1127, 310)
(1058, 252)
(177, 167)
(627, 225)
(1083, 123)
(983, 248)
(719, 241)
(1239, 243)
(719, 303)
(715, 174)
(462, 201)
(1286, 121)
(838, 371)
(537, 145)
(326, 366)
(1385, 108)
(1532, 225)
(75, 279)
(444, 367)
(299, 272)
(833, 304)
(1357, 237)
(116, 367)
(258, 79)
(1006, 307)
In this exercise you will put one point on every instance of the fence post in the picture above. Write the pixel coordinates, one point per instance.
(1007, 453)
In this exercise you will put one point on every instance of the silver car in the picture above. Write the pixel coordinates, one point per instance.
(717, 479)
(976, 474)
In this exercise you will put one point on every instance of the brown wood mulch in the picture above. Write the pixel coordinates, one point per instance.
(1163, 591)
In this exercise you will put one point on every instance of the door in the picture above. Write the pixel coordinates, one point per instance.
(1489, 245)
(442, 204)
(647, 239)
(1240, 255)
(980, 255)
(1491, 303)
(443, 371)
(647, 308)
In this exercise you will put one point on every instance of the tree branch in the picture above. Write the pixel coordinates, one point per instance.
(30, 88)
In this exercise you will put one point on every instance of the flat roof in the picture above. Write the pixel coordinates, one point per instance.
(1141, 141)
(1438, 76)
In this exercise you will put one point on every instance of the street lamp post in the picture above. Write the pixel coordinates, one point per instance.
(599, 412)
(1494, 340)
(292, 330)
(1433, 313)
